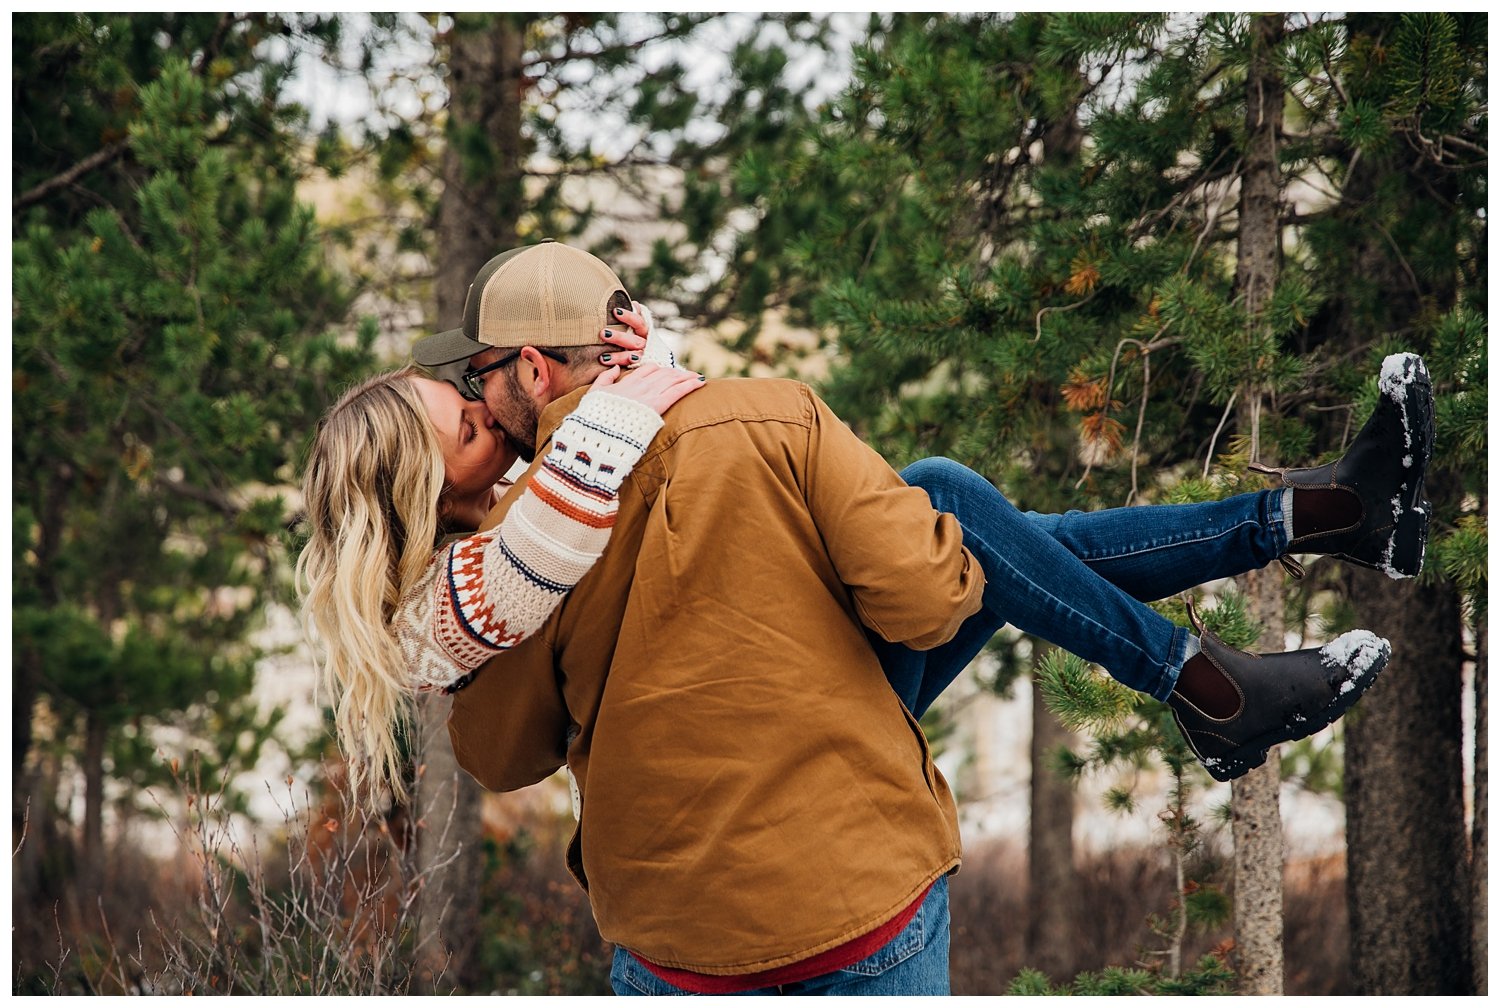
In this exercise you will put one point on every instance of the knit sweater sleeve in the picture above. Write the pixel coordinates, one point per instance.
(490, 591)
(657, 349)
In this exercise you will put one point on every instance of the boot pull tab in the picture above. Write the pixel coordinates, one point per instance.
(1265, 470)
(1293, 567)
(1192, 613)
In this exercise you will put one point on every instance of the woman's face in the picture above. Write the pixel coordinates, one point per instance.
(475, 452)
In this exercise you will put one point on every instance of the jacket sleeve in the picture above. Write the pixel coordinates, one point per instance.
(905, 564)
(509, 727)
(487, 592)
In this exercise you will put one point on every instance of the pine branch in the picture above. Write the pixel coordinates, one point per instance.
(632, 161)
(105, 155)
(204, 495)
(96, 160)
(569, 53)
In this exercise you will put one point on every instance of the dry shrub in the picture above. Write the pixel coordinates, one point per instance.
(1117, 890)
(328, 908)
(538, 931)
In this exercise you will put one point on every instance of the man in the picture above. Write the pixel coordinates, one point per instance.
(758, 809)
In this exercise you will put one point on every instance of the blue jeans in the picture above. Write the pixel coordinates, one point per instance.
(1081, 580)
(913, 963)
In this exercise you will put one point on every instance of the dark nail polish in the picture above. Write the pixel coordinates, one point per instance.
(619, 312)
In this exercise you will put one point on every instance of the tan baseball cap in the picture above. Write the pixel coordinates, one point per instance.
(544, 295)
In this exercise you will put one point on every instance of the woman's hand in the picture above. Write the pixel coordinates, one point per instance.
(649, 384)
(639, 321)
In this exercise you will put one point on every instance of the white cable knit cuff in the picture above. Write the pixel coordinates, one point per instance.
(602, 440)
(657, 349)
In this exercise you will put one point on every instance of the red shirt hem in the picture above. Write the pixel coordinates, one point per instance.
(835, 958)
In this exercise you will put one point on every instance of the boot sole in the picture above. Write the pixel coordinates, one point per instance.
(1408, 544)
(1408, 390)
(1254, 753)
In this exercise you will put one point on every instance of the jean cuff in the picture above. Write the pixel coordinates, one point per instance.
(1184, 645)
(1279, 517)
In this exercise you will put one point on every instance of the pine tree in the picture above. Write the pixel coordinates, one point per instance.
(1075, 330)
(1403, 256)
(170, 356)
(510, 171)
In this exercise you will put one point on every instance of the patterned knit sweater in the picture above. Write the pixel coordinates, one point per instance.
(489, 591)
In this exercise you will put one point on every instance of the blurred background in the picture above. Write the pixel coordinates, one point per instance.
(1102, 259)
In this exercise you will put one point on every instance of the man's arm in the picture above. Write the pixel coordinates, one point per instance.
(509, 727)
(912, 580)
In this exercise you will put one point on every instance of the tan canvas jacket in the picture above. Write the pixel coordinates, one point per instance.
(753, 793)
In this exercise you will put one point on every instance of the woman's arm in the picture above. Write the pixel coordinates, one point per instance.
(489, 591)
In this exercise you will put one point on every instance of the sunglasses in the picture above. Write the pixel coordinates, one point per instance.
(472, 387)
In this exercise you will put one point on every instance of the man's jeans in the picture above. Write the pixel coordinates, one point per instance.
(1080, 580)
(915, 962)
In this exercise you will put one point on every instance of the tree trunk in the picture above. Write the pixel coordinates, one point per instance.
(1258, 848)
(1052, 882)
(1415, 920)
(1052, 886)
(481, 201)
(91, 874)
(450, 853)
(1409, 908)
(484, 158)
(1481, 834)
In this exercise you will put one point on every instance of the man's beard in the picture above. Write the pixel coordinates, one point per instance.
(517, 414)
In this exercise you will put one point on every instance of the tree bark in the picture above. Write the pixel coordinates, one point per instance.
(1481, 831)
(1052, 886)
(450, 854)
(484, 158)
(482, 199)
(1415, 918)
(1258, 846)
(1409, 908)
(91, 874)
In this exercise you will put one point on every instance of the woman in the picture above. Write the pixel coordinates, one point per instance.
(400, 462)
(1076, 579)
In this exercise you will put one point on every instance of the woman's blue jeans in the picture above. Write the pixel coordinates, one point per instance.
(1081, 580)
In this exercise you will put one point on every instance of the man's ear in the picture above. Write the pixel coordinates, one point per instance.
(535, 373)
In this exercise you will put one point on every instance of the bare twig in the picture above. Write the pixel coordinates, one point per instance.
(1416, 286)
(1208, 459)
(1157, 342)
(1140, 421)
(1060, 308)
(109, 941)
(61, 180)
(25, 824)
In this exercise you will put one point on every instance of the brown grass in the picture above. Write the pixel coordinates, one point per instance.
(149, 923)
(1118, 890)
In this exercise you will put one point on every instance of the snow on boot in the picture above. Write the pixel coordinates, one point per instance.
(1384, 468)
(1282, 698)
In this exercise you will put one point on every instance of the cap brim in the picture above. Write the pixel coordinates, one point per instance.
(445, 348)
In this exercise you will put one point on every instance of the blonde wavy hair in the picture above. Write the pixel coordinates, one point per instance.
(371, 490)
